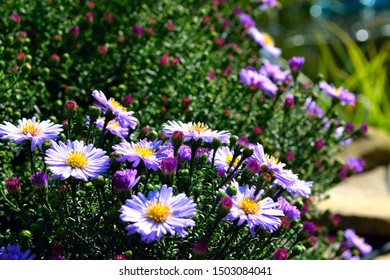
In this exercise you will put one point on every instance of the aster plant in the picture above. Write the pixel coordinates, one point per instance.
(162, 153)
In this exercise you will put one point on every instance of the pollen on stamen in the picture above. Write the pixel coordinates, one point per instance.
(30, 128)
(117, 106)
(198, 127)
(268, 39)
(76, 160)
(144, 152)
(249, 206)
(271, 159)
(158, 213)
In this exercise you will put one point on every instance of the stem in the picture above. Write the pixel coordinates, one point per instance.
(91, 126)
(30, 154)
(234, 235)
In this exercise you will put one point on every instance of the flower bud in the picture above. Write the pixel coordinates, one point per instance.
(71, 107)
(296, 63)
(94, 113)
(247, 152)
(280, 254)
(200, 249)
(120, 257)
(40, 180)
(164, 60)
(231, 190)
(12, 185)
(298, 250)
(46, 145)
(177, 139)
(319, 144)
(216, 143)
(169, 166)
(125, 180)
(225, 205)
(233, 140)
(128, 254)
(25, 235)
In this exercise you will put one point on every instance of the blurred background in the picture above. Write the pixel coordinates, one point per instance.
(348, 43)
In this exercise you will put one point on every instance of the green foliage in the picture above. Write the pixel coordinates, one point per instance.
(360, 67)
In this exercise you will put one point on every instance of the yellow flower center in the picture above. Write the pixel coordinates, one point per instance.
(144, 152)
(30, 128)
(268, 39)
(249, 206)
(198, 127)
(76, 160)
(117, 106)
(158, 213)
(336, 91)
(114, 125)
(271, 159)
(229, 159)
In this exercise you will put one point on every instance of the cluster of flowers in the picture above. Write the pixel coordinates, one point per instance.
(198, 167)
(224, 196)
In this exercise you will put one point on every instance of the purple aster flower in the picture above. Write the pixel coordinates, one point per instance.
(356, 164)
(158, 214)
(74, 159)
(250, 77)
(268, 4)
(184, 153)
(309, 227)
(284, 178)
(195, 131)
(246, 20)
(273, 71)
(223, 159)
(291, 212)
(280, 254)
(302, 188)
(124, 117)
(32, 130)
(12, 185)
(265, 41)
(247, 207)
(125, 180)
(115, 128)
(40, 180)
(312, 108)
(347, 255)
(148, 152)
(355, 241)
(242, 141)
(202, 151)
(340, 93)
(296, 63)
(13, 252)
(339, 133)
(266, 85)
